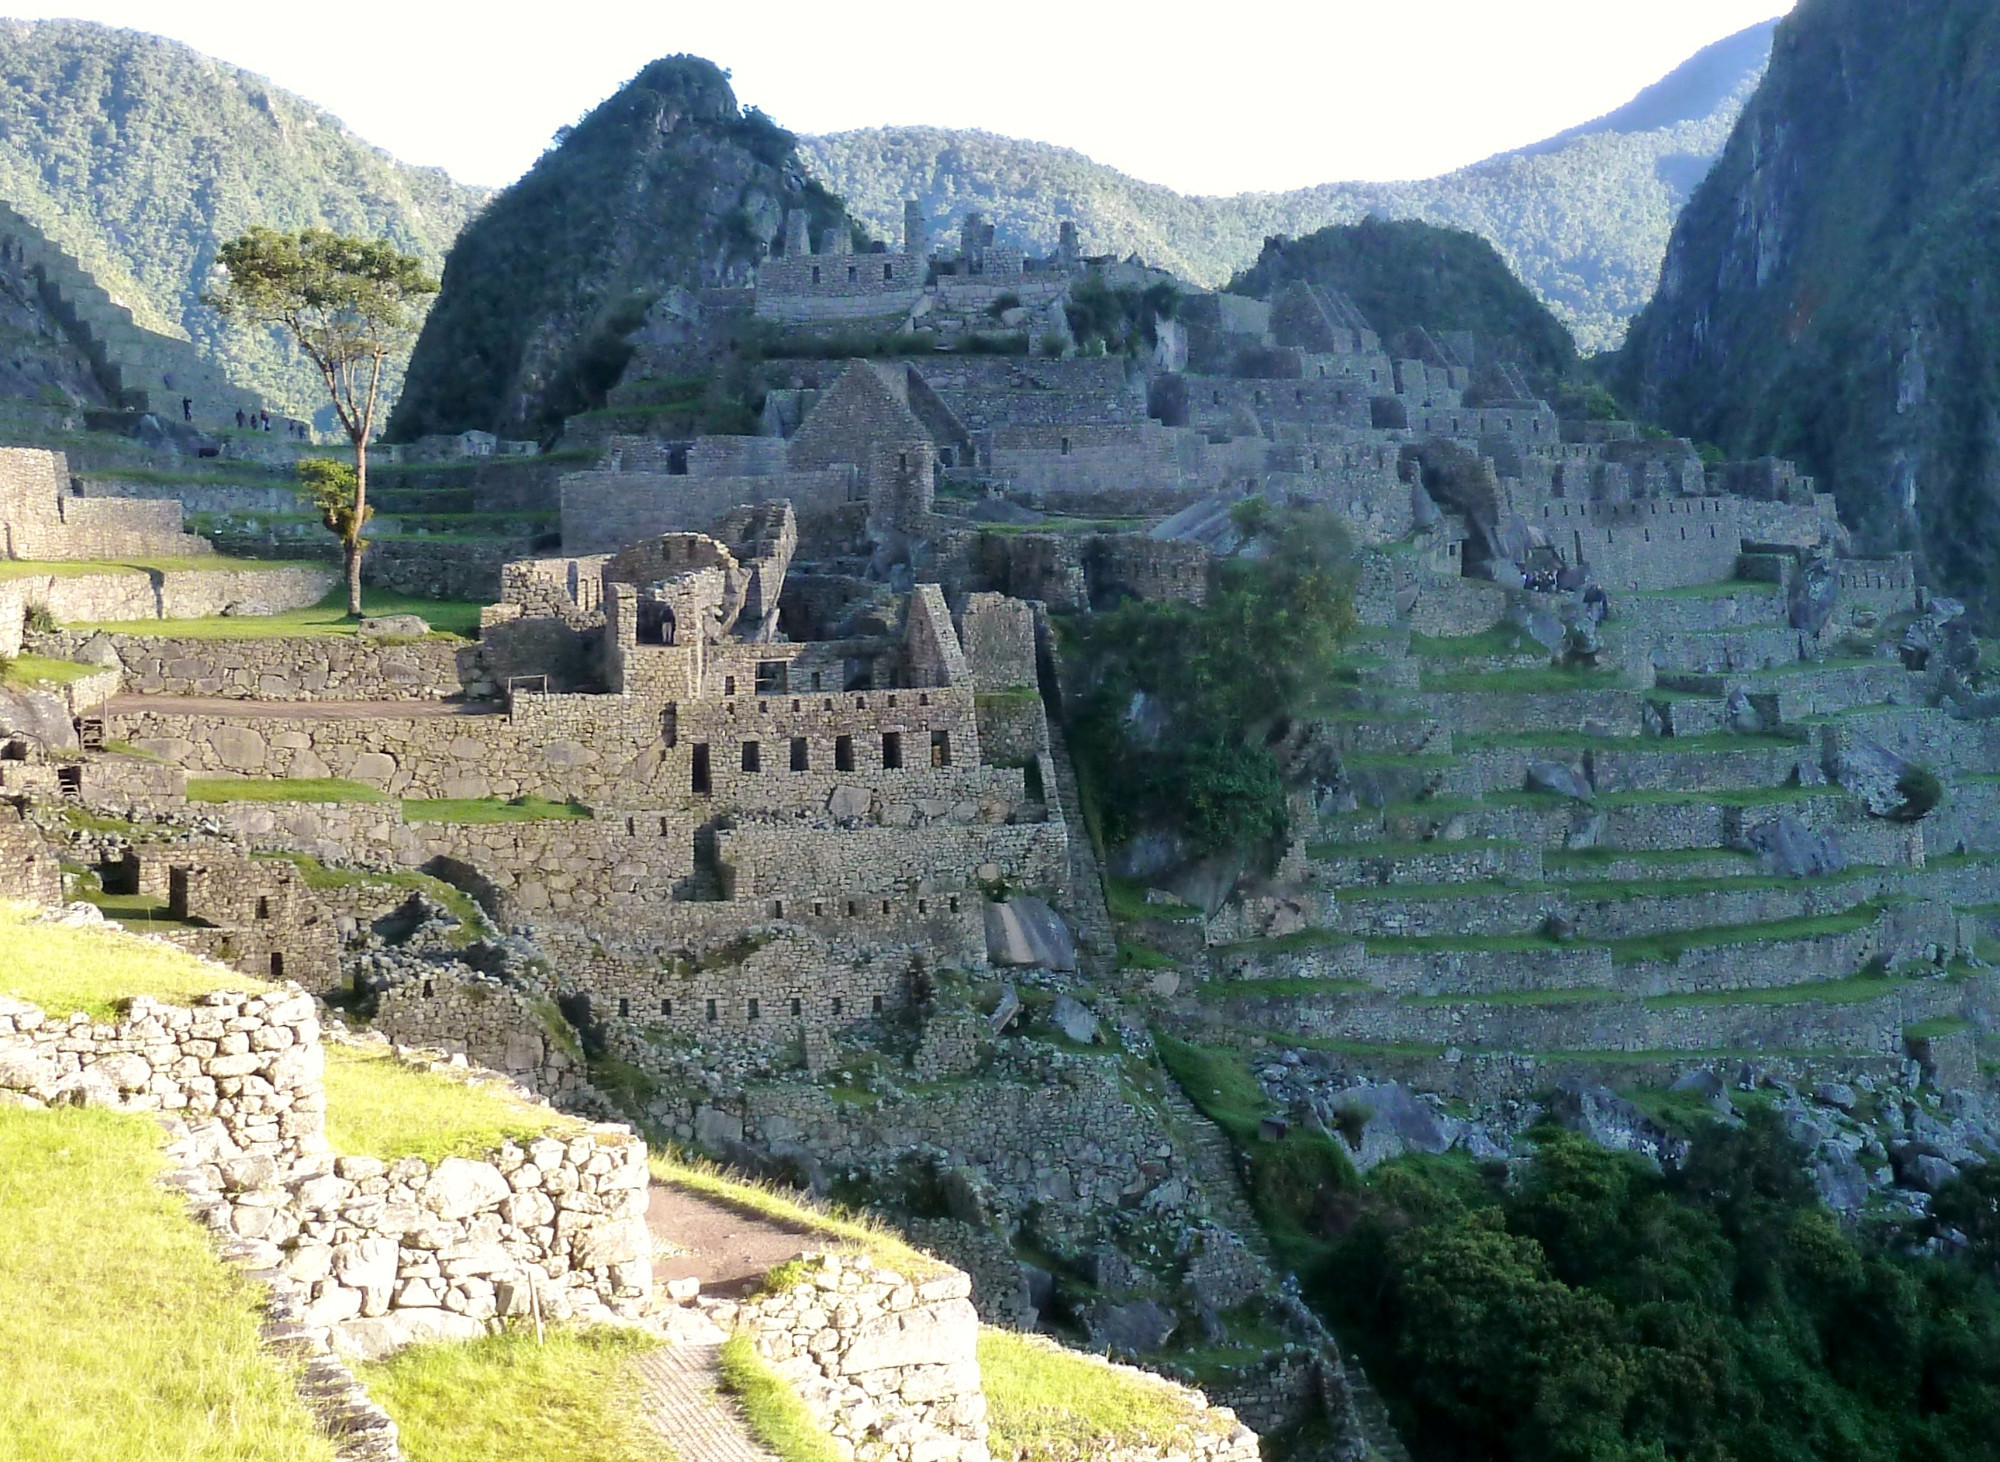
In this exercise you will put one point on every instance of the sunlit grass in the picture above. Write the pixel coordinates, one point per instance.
(376, 1106)
(66, 968)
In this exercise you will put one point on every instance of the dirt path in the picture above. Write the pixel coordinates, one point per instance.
(727, 1249)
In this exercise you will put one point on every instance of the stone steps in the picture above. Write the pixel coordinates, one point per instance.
(1211, 1158)
(1095, 936)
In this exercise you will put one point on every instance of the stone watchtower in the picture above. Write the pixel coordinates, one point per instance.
(798, 234)
(1067, 249)
(916, 231)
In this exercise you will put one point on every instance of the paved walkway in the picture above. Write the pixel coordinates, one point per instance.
(681, 1401)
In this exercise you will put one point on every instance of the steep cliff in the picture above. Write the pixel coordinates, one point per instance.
(1830, 291)
(669, 183)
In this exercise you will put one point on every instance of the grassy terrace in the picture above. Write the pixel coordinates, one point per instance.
(1711, 742)
(378, 1107)
(328, 617)
(1527, 680)
(1289, 989)
(121, 1336)
(281, 789)
(1722, 589)
(1054, 1405)
(32, 670)
(82, 568)
(96, 971)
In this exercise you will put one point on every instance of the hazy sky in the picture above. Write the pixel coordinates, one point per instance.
(1212, 98)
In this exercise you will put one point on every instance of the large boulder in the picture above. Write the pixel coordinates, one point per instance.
(38, 716)
(1384, 1120)
(1785, 846)
(1814, 591)
(1875, 774)
(1137, 1328)
(1561, 779)
(1025, 932)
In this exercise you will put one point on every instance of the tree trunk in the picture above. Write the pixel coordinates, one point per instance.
(354, 545)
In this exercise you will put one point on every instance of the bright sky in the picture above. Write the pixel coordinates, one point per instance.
(1211, 98)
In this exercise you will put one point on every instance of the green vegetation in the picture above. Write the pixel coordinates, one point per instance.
(1592, 1308)
(571, 1397)
(771, 1408)
(77, 568)
(33, 670)
(378, 1107)
(492, 809)
(281, 789)
(1583, 217)
(66, 969)
(1215, 679)
(328, 617)
(550, 281)
(1407, 276)
(121, 1337)
(1047, 1404)
(1118, 321)
(1276, 989)
(141, 156)
(1290, 1180)
(1849, 991)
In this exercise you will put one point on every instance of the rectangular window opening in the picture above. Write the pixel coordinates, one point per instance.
(772, 676)
(699, 779)
(843, 753)
(892, 751)
(940, 748)
(753, 753)
(711, 1010)
(801, 757)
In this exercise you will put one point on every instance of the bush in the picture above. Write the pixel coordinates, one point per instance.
(1922, 792)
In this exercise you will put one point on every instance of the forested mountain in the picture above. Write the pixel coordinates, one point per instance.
(1829, 291)
(667, 184)
(1583, 217)
(141, 156)
(1406, 276)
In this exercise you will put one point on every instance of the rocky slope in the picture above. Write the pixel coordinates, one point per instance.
(1828, 292)
(141, 156)
(1583, 216)
(669, 184)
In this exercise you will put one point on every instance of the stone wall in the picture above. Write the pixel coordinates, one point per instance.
(41, 519)
(361, 1254)
(604, 511)
(28, 867)
(491, 1024)
(302, 668)
(175, 593)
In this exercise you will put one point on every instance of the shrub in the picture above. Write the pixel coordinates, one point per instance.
(1922, 792)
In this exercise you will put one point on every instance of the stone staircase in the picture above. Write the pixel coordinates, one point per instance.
(1212, 1159)
(1095, 938)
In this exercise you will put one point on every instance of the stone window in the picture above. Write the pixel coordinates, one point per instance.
(666, 1007)
(801, 757)
(1065, 446)
(819, 910)
(892, 751)
(816, 684)
(711, 1010)
(729, 685)
(852, 909)
(699, 781)
(754, 1011)
(772, 677)
(887, 275)
(877, 1006)
(277, 965)
(777, 908)
(795, 1005)
(753, 756)
(853, 273)
(624, 1006)
(940, 748)
(263, 907)
(836, 1005)
(923, 907)
(670, 725)
(427, 989)
(954, 903)
(843, 753)
(815, 274)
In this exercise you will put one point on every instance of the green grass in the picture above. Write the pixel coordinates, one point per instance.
(378, 1107)
(1524, 680)
(32, 670)
(281, 789)
(1047, 1404)
(1460, 943)
(1850, 991)
(121, 1335)
(1285, 989)
(857, 1231)
(328, 617)
(96, 970)
(81, 568)
(492, 809)
(1502, 639)
(1931, 1030)
(574, 1398)
(1668, 947)
(1726, 797)
(1659, 857)
(1563, 995)
(317, 875)
(771, 1408)
(1126, 898)
(1143, 957)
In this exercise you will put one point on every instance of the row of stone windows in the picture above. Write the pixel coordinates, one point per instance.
(752, 754)
(854, 273)
(753, 1007)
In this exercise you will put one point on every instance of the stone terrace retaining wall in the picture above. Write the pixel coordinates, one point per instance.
(361, 1255)
(176, 593)
(302, 668)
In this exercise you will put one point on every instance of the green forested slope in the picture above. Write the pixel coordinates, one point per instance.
(667, 184)
(141, 156)
(1829, 293)
(1405, 276)
(1583, 217)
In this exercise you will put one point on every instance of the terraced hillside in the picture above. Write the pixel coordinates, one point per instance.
(1632, 871)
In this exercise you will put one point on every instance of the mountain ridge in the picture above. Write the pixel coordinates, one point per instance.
(1586, 225)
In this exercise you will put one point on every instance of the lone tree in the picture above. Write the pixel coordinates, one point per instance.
(348, 304)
